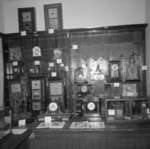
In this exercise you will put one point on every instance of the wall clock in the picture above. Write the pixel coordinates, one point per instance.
(53, 16)
(53, 107)
(91, 106)
(114, 70)
(26, 17)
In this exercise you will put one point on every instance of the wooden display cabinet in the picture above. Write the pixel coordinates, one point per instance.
(111, 60)
(126, 109)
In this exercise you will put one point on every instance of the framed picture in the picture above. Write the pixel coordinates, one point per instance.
(53, 16)
(26, 17)
(114, 70)
(129, 90)
(133, 71)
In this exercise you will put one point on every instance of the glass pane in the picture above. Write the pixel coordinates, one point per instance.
(26, 17)
(52, 13)
(53, 23)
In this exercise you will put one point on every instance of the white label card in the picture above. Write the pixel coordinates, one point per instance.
(36, 62)
(111, 112)
(74, 46)
(47, 119)
(59, 61)
(51, 64)
(116, 84)
(22, 122)
(51, 31)
(23, 33)
(15, 63)
(144, 67)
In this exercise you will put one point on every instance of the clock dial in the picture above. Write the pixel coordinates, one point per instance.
(53, 106)
(114, 67)
(53, 13)
(36, 51)
(84, 88)
(91, 106)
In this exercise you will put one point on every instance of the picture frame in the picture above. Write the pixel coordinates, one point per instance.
(53, 16)
(26, 18)
(129, 90)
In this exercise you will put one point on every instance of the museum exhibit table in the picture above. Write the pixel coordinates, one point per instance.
(111, 136)
(16, 141)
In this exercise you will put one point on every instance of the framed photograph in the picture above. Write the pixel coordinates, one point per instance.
(114, 71)
(26, 17)
(133, 71)
(53, 16)
(130, 90)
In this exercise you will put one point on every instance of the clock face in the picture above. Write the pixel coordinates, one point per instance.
(114, 67)
(84, 89)
(53, 106)
(53, 13)
(36, 51)
(91, 106)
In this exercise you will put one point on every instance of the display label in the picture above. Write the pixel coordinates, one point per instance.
(51, 31)
(74, 46)
(51, 64)
(111, 112)
(53, 74)
(22, 122)
(47, 119)
(116, 84)
(23, 33)
(144, 67)
(15, 63)
(59, 61)
(36, 62)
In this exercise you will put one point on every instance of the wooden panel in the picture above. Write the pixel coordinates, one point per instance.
(115, 139)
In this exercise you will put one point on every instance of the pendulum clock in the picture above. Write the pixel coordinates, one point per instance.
(37, 82)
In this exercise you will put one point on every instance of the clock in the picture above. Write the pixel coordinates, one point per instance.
(36, 51)
(114, 67)
(91, 106)
(84, 89)
(53, 106)
(114, 70)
